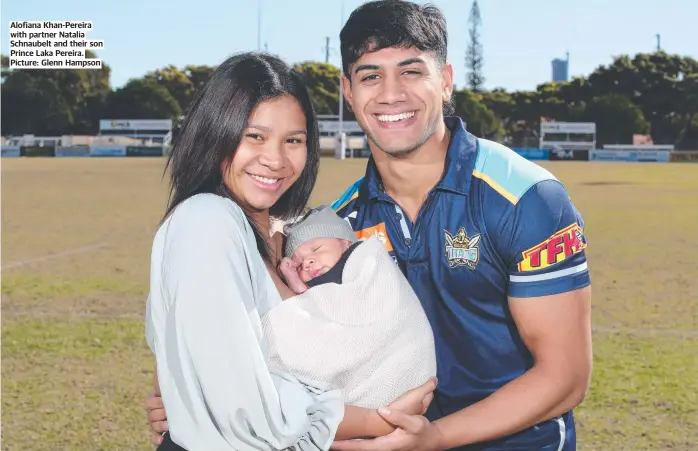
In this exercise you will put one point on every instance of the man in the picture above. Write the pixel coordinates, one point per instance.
(491, 243)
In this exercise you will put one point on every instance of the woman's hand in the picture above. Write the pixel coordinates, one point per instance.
(417, 400)
(157, 419)
(155, 409)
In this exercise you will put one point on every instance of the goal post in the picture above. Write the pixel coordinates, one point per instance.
(345, 138)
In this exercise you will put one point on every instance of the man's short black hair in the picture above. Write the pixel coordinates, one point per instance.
(381, 24)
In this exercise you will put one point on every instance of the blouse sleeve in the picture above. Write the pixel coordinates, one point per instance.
(213, 347)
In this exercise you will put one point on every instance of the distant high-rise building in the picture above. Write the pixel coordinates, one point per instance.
(561, 69)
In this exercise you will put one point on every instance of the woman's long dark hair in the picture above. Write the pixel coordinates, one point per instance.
(214, 126)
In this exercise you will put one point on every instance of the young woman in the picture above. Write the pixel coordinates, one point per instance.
(247, 151)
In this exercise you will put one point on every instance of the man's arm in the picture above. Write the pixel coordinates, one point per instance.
(358, 422)
(543, 245)
(556, 329)
(367, 423)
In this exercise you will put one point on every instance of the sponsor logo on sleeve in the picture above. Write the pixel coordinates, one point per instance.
(559, 247)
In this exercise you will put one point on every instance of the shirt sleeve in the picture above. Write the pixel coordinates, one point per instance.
(545, 251)
(214, 346)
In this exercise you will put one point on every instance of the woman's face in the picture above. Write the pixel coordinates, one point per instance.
(271, 155)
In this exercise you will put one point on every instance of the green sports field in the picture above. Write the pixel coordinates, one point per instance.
(76, 237)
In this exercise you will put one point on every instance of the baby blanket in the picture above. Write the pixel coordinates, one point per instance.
(369, 336)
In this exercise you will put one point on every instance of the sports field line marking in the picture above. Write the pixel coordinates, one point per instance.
(65, 253)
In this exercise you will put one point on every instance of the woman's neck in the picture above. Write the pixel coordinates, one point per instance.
(262, 221)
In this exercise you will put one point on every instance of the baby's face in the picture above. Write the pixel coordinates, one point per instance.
(317, 256)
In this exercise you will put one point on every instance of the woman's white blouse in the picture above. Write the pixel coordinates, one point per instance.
(208, 288)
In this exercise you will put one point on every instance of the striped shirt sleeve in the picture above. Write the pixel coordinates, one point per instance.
(546, 243)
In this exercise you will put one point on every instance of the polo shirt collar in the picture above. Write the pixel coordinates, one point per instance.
(459, 165)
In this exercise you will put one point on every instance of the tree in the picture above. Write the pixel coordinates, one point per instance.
(474, 60)
(5, 65)
(198, 76)
(142, 99)
(574, 93)
(322, 82)
(654, 92)
(33, 105)
(55, 102)
(617, 118)
(688, 109)
(650, 81)
(479, 119)
(525, 120)
(177, 83)
(550, 104)
(90, 102)
(500, 102)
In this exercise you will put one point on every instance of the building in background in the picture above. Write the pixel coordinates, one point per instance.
(149, 131)
(561, 69)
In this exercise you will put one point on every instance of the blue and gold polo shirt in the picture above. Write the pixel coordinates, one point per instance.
(496, 225)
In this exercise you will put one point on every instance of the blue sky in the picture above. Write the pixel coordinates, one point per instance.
(520, 37)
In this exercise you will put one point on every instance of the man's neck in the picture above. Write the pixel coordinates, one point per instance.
(409, 179)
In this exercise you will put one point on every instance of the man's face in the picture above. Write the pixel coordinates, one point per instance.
(397, 95)
(317, 256)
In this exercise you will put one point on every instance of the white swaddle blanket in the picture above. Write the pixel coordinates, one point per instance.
(369, 336)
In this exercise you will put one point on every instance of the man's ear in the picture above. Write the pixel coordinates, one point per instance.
(447, 81)
(346, 87)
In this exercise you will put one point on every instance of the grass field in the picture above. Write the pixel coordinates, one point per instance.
(76, 237)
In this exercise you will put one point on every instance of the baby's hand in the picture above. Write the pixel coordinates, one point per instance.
(290, 271)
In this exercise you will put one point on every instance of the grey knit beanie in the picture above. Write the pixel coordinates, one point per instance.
(320, 222)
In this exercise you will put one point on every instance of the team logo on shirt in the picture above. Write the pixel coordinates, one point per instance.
(462, 250)
(560, 246)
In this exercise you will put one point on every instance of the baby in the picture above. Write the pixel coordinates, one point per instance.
(355, 321)
(317, 249)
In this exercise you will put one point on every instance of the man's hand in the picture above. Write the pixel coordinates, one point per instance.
(413, 433)
(289, 269)
(156, 418)
(405, 414)
(360, 422)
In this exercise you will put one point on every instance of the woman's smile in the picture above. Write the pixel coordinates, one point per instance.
(268, 183)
